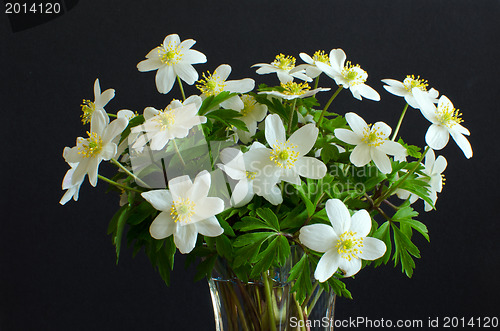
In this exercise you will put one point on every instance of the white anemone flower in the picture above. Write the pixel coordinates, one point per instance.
(347, 75)
(185, 210)
(213, 84)
(173, 59)
(372, 143)
(445, 121)
(286, 159)
(100, 100)
(174, 121)
(293, 90)
(72, 190)
(344, 242)
(433, 168)
(311, 68)
(251, 113)
(99, 146)
(251, 180)
(284, 67)
(405, 89)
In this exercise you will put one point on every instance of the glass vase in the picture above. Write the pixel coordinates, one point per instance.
(267, 303)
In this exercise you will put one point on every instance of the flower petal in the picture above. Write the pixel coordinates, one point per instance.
(163, 226)
(186, 72)
(209, 227)
(367, 92)
(437, 136)
(200, 187)
(223, 71)
(337, 59)
(310, 167)
(304, 138)
(381, 160)
(149, 64)
(185, 237)
(462, 142)
(357, 123)
(318, 237)
(373, 249)
(361, 223)
(350, 268)
(393, 148)
(360, 155)
(165, 79)
(194, 57)
(327, 265)
(439, 165)
(348, 136)
(275, 131)
(240, 86)
(339, 216)
(159, 199)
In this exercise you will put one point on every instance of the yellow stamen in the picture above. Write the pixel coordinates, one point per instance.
(293, 88)
(410, 82)
(249, 104)
(349, 246)
(88, 108)
(373, 137)
(284, 62)
(447, 115)
(182, 210)
(169, 54)
(284, 155)
(92, 145)
(320, 56)
(166, 118)
(354, 74)
(211, 84)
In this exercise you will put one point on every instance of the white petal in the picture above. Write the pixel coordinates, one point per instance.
(163, 226)
(430, 158)
(92, 170)
(149, 64)
(207, 207)
(159, 199)
(382, 128)
(393, 148)
(290, 176)
(234, 103)
(165, 79)
(304, 138)
(284, 77)
(348, 136)
(272, 194)
(427, 107)
(350, 268)
(337, 58)
(114, 129)
(187, 44)
(361, 223)
(368, 92)
(327, 265)
(439, 165)
(357, 124)
(172, 39)
(209, 227)
(395, 87)
(185, 237)
(381, 160)
(339, 216)
(318, 237)
(306, 58)
(240, 86)
(462, 142)
(437, 136)
(180, 186)
(275, 131)
(200, 187)
(372, 249)
(360, 155)
(242, 193)
(186, 72)
(310, 167)
(194, 57)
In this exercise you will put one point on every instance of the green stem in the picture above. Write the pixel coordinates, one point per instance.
(328, 104)
(316, 298)
(137, 179)
(178, 152)
(300, 312)
(290, 122)
(316, 82)
(399, 123)
(112, 182)
(182, 89)
(112, 115)
(270, 310)
(401, 181)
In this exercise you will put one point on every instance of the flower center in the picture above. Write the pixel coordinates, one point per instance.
(166, 118)
(169, 54)
(354, 74)
(373, 137)
(88, 108)
(249, 103)
(320, 56)
(410, 82)
(284, 155)
(284, 62)
(250, 175)
(348, 246)
(210, 84)
(92, 145)
(447, 115)
(293, 88)
(182, 210)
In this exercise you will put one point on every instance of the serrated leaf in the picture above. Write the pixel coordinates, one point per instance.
(249, 223)
(300, 275)
(224, 247)
(403, 248)
(120, 226)
(205, 267)
(384, 233)
(140, 213)
(265, 258)
(269, 217)
(283, 250)
(339, 288)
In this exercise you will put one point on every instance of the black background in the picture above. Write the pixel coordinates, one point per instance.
(57, 266)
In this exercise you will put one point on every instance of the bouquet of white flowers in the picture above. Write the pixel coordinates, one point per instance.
(255, 178)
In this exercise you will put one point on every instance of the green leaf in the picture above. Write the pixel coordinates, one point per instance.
(384, 233)
(300, 275)
(403, 248)
(205, 267)
(248, 247)
(228, 230)
(309, 205)
(117, 239)
(252, 238)
(269, 217)
(283, 250)
(249, 223)
(140, 213)
(265, 258)
(223, 246)
(419, 226)
(214, 101)
(339, 287)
